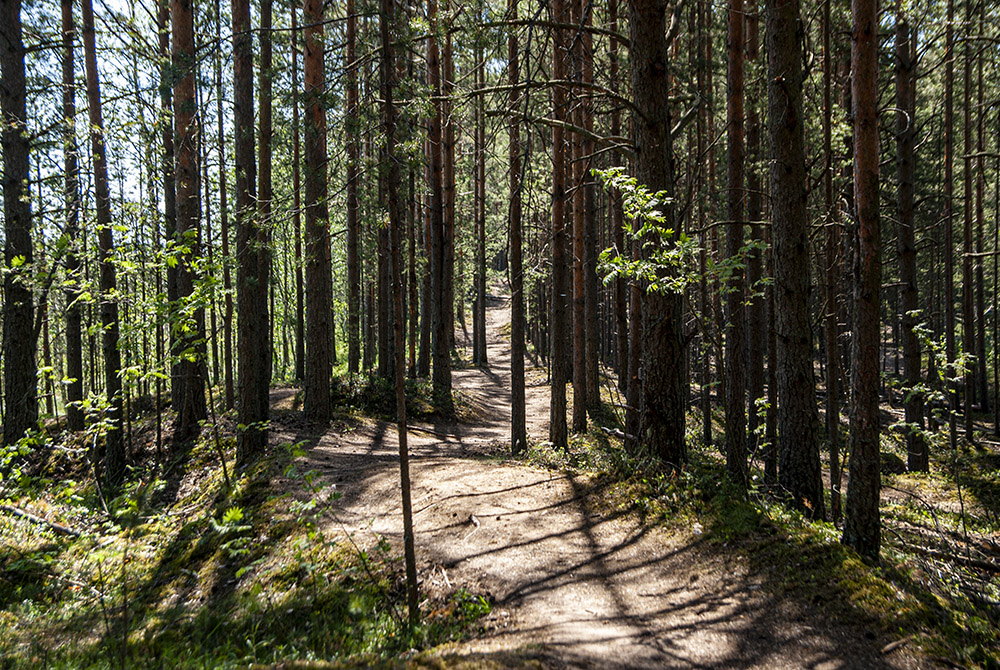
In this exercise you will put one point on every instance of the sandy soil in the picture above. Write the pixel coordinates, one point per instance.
(594, 588)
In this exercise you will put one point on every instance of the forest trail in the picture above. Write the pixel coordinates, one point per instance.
(576, 584)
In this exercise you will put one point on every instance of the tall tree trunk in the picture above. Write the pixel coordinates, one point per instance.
(353, 232)
(441, 338)
(518, 430)
(949, 232)
(447, 326)
(388, 69)
(265, 190)
(617, 214)
(190, 346)
(319, 286)
(663, 400)
(980, 172)
(169, 183)
(798, 422)
(862, 528)
(115, 457)
(71, 198)
(251, 288)
(968, 287)
(557, 402)
(756, 310)
(300, 316)
(591, 286)
(19, 341)
(736, 436)
(917, 456)
(479, 325)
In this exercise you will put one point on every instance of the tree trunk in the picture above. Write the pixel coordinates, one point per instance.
(557, 403)
(441, 338)
(388, 69)
(861, 515)
(71, 198)
(736, 436)
(968, 287)
(756, 310)
(115, 457)
(663, 401)
(353, 232)
(949, 232)
(189, 347)
(19, 341)
(319, 286)
(300, 317)
(518, 430)
(265, 191)
(798, 422)
(917, 456)
(251, 289)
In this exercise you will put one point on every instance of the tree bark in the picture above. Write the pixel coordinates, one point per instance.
(300, 316)
(916, 448)
(388, 69)
(736, 436)
(353, 232)
(71, 198)
(518, 430)
(319, 286)
(251, 287)
(115, 457)
(797, 419)
(756, 310)
(19, 342)
(663, 401)
(190, 346)
(862, 528)
(557, 401)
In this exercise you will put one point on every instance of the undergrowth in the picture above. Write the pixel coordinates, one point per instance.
(181, 572)
(949, 609)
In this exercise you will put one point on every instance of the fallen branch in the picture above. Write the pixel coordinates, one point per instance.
(961, 560)
(614, 432)
(57, 527)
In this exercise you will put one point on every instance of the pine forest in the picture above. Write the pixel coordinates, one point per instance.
(500, 334)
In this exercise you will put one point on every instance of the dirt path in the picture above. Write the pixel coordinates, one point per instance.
(594, 588)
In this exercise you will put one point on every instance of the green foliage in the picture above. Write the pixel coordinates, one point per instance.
(186, 573)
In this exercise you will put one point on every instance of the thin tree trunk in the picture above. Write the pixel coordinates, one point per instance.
(115, 457)
(917, 456)
(300, 317)
(756, 310)
(736, 436)
(557, 404)
(831, 275)
(968, 287)
(518, 430)
(441, 338)
(388, 69)
(71, 198)
(265, 190)
(949, 232)
(353, 232)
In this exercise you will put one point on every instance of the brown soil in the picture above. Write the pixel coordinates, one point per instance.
(576, 584)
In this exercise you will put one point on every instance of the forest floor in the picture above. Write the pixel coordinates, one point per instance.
(589, 559)
(578, 577)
